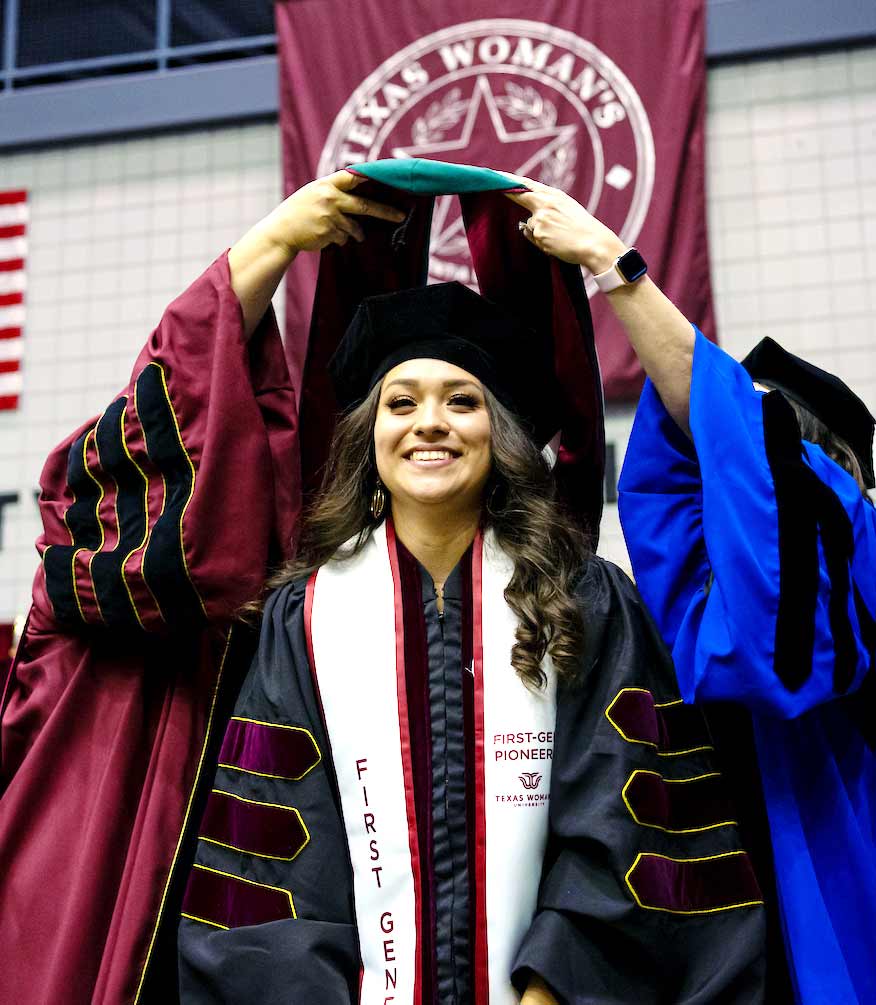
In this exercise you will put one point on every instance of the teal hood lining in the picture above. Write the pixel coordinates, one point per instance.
(427, 177)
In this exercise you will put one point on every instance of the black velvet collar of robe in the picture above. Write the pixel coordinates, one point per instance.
(422, 652)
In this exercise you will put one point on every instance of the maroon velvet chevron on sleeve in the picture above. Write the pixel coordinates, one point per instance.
(264, 748)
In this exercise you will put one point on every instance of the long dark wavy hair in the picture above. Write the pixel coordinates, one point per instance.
(836, 448)
(522, 508)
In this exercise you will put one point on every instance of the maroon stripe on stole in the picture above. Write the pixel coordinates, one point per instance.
(12, 265)
(10, 333)
(420, 724)
(308, 638)
(481, 967)
(407, 766)
(13, 196)
(11, 299)
(469, 719)
(12, 230)
(9, 365)
(8, 401)
(308, 635)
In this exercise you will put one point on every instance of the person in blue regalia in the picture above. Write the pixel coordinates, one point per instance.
(744, 505)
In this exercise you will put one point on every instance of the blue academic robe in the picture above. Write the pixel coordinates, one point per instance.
(756, 555)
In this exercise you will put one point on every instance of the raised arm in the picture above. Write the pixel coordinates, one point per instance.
(315, 216)
(133, 535)
(661, 336)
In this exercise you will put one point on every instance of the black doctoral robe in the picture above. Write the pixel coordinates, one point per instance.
(645, 894)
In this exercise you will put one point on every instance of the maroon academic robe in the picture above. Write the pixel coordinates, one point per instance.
(160, 518)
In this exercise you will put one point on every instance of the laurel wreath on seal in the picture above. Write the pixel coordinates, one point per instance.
(558, 169)
(439, 117)
(526, 106)
(522, 104)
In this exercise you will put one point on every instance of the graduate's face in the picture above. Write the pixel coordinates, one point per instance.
(432, 436)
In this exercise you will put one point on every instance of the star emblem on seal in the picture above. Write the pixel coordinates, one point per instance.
(515, 95)
(520, 152)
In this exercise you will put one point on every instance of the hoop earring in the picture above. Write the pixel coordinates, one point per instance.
(378, 500)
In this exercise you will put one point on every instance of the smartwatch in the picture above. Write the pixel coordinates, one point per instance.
(627, 268)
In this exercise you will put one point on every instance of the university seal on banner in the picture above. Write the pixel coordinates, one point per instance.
(515, 95)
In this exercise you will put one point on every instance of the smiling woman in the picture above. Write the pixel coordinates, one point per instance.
(432, 437)
(452, 457)
(449, 775)
(443, 621)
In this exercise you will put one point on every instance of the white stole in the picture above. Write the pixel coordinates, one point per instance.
(357, 649)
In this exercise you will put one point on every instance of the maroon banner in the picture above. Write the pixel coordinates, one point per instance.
(605, 102)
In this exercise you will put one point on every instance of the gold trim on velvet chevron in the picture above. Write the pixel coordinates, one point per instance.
(59, 561)
(703, 802)
(204, 921)
(52, 569)
(182, 515)
(654, 730)
(146, 448)
(145, 539)
(101, 493)
(76, 551)
(239, 754)
(84, 548)
(164, 564)
(100, 498)
(107, 566)
(265, 826)
(124, 578)
(705, 885)
(115, 495)
(136, 572)
(209, 895)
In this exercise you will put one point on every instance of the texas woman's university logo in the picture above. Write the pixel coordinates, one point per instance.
(530, 779)
(519, 96)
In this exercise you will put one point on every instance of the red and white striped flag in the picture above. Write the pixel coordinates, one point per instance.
(13, 251)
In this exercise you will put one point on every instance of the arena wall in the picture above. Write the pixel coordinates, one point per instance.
(120, 226)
